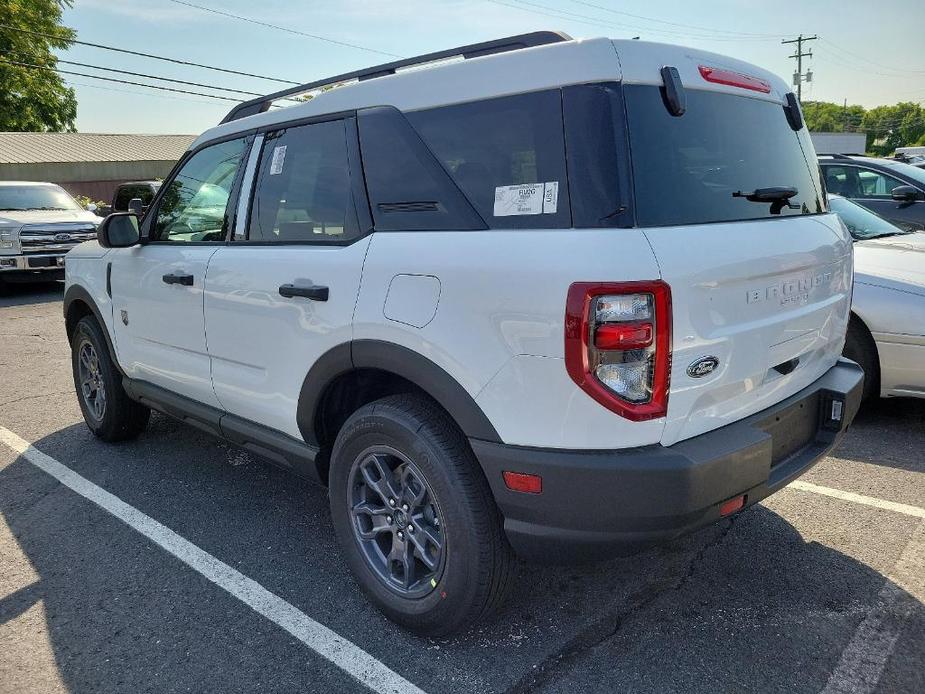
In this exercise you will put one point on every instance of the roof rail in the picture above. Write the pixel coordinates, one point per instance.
(844, 155)
(475, 50)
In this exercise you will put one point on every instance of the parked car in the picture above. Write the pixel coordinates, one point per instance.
(566, 298)
(886, 335)
(126, 192)
(892, 189)
(39, 224)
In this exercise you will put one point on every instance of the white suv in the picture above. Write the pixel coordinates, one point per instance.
(566, 298)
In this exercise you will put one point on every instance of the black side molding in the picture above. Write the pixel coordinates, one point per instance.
(673, 91)
(278, 448)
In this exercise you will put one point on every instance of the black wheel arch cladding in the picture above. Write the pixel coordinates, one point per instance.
(398, 361)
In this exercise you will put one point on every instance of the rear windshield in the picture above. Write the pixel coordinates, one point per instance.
(126, 192)
(686, 168)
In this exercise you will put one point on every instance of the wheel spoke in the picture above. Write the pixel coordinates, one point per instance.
(377, 516)
(413, 489)
(401, 556)
(379, 477)
(85, 360)
(420, 541)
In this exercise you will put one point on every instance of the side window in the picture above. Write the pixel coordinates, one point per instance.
(302, 191)
(873, 184)
(192, 208)
(507, 155)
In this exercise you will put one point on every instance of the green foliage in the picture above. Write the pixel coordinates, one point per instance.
(887, 127)
(84, 200)
(825, 117)
(33, 100)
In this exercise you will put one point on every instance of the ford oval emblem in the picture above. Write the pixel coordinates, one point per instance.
(62, 237)
(702, 367)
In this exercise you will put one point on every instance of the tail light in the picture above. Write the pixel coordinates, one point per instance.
(618, 345)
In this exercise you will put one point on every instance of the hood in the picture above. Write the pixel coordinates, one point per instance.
(896, 262)
(19, 217)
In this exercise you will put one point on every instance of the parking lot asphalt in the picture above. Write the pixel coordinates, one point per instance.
(805, 592)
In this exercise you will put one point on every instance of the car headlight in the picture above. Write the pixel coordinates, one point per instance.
(6, 237)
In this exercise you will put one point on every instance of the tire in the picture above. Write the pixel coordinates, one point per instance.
(860, 347)
(109, 413)
(468, 577)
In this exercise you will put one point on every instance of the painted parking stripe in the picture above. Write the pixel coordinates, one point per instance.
(862, 662)
(347, 656)
(914, 511)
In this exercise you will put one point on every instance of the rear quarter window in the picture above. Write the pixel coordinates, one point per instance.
(686, 168)
(504, 151)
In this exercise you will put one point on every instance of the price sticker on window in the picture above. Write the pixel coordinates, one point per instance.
(526, 199)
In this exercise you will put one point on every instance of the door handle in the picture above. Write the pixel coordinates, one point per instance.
(315, 292)
(185, 280)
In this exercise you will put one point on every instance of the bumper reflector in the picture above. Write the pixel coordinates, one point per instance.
(734, 504)
(523, 482)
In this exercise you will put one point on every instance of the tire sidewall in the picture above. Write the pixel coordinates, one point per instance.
(88, 330)
(454, 591)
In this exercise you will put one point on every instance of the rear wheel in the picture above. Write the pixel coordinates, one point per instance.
(414, 514)
(860, 347)
(108, 411)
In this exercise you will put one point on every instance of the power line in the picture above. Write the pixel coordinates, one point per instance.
(858, 57)
(675, 24)
(72, 83)
(289, 30)
(155, 77)
(112, 79)
(547, 11)
(146, 55)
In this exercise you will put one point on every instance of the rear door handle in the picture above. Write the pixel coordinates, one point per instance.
(185, 280)
(315, 292)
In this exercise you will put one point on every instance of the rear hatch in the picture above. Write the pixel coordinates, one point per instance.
(760, 288)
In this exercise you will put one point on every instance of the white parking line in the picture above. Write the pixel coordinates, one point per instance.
(913, 511)
(861, 664)
(347, 656)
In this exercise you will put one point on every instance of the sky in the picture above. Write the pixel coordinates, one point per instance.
(868, 53)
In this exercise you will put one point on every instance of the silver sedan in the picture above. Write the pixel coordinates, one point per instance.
(886, 335)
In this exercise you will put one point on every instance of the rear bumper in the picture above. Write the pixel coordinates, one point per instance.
(596, 504)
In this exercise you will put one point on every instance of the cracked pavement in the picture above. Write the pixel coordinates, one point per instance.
(766, 601)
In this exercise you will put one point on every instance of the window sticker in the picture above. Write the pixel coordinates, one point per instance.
(279, 156)
(551, 197)
(526, 199)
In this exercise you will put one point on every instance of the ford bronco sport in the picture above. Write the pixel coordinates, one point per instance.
(555, 298)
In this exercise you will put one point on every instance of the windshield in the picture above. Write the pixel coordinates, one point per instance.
(21, 198)
(861, 222)
(907, 170)
(687, 169)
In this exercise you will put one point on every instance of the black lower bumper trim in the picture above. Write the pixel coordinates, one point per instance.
(597, 504)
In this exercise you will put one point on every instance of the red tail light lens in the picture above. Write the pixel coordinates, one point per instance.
(734, 79)
(618, 345)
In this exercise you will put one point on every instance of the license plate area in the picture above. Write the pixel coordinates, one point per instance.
(792, 428)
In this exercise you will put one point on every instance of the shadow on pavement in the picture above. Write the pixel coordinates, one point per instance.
(742, 600)
(24, 294)
(890, 432)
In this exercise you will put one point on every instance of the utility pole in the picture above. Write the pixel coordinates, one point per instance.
(799, 77)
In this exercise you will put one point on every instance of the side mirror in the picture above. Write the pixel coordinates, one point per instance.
(136, 206)
(904, 193)
(118, 230)
(91, 207)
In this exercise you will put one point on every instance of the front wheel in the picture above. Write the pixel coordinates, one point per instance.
(415, 516)
(109, 413)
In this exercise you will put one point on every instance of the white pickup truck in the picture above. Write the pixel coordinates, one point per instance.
(39, 224)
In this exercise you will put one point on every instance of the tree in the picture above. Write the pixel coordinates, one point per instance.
(826, 117)
(889, 127)
(33, 99)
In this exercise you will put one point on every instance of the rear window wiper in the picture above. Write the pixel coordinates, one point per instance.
(777, 196)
